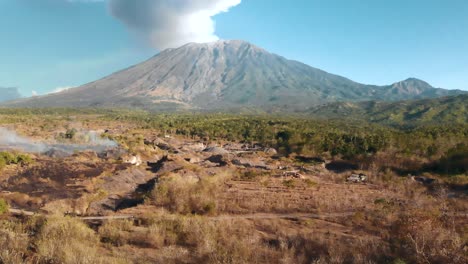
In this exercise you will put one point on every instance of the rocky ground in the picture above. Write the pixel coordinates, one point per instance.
(273, 196)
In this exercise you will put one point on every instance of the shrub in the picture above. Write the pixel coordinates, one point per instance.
(67, 240)
(289, 183)
(3, 206)
(13, 245)
(188, 195)
(23, 159)
(310, 183)
(113, 232)
(7, 158)
(70, 134)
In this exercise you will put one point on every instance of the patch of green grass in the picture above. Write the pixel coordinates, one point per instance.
(7, 158)
(3, 206)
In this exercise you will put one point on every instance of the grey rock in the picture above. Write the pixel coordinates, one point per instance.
(216, 150)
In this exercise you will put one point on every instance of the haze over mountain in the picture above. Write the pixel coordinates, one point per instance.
(9, 94)
(223, 75)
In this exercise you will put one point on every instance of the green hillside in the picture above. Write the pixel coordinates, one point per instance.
(450, 110)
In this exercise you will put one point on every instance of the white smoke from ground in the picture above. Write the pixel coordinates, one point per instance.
(10, 140)
(92, 141)
(171, 23)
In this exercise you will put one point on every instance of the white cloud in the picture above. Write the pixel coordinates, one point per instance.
(34, 93)
(171, 23)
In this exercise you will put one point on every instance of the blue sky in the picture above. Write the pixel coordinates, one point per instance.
(49, 44)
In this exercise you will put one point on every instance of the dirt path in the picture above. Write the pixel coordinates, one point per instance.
(235, 217)
(226, 217)
(21, 212)
(254, 216)
(282, 216)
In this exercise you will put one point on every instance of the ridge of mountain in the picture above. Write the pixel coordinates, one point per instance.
(444, 110)
(223, 75)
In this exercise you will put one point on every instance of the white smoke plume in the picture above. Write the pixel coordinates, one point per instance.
(10, 140)
(92, 141)
(171, 23)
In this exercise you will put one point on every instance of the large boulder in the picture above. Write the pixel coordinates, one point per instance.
(216, 150)
(247, 163)
(196, 147)
(271, 151)
(222, 160)
(56, 153)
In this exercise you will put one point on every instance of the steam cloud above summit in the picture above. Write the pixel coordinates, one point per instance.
(171, 23)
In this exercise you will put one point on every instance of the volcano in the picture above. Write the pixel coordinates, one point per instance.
(224, 75)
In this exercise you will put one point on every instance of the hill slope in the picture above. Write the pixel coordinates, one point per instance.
(223, 75)
(450, 110)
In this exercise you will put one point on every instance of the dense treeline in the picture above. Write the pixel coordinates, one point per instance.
(335, 138)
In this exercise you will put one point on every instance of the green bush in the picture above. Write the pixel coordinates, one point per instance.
(3, 206)
(70, 134)
(7, 158)
(2, 164)
(455, 161)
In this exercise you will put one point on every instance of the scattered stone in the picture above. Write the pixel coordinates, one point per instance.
(356, 178)
(112, 154)
(216, 150)
(134, 160)
(294, 174)
(197, 147)
(250, 164)
(271, 151)
(194, 160)
(56, 153)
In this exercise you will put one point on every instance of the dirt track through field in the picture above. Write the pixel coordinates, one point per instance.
(220, 217)
(235, 217)
(227, 217)
(251, 216)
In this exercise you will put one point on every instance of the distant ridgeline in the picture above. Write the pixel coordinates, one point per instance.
(7, 94)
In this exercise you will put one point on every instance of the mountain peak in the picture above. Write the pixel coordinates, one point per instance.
(413, 84)
(416, 89)
(226, 74)
(414, 81)
(223, 44)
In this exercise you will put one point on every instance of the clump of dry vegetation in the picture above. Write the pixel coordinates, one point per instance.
(173, 238)
(66, 240)
(189, 195)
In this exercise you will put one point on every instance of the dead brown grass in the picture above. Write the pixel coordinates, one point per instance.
(189, 194)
